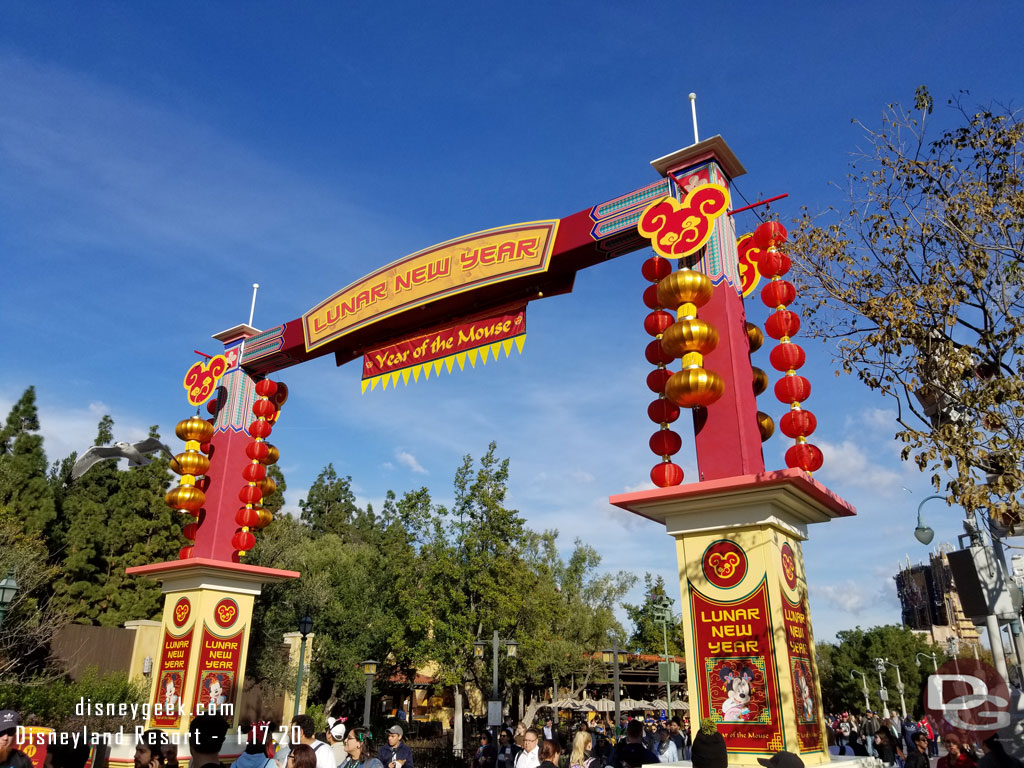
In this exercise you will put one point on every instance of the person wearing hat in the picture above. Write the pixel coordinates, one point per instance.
(10, 756)
(708, 750)
(782, 759)
(396, 753)
(336, 738)
(205, 738)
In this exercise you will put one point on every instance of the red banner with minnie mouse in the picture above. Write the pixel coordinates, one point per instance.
(737, 684)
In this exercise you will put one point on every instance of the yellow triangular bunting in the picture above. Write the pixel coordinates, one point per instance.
(374, 382)
(384, 380)
(507, 346)
(448, 363)
(483, 354)
(416, 372)
(496, 349)
(427, 368)
(366, 383)
(461, 360)
(520, 340)
(472, 357)
(405, 376)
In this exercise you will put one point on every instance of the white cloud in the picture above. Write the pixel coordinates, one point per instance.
(409, 461)
(847, 464)
(847, 596)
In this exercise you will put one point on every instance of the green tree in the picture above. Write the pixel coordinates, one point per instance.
(330, 506)
(919, 284)
(648, 635)
(23, 484)
(857, 649)
(114, 519)
(33, 617)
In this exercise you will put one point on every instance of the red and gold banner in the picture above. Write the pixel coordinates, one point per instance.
(747, 256)
(219, 661)
(483, 258)
(803, 673)
(433, 351)
(172, 673)
(737, 682)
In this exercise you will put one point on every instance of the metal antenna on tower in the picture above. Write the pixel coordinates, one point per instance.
(693, 112)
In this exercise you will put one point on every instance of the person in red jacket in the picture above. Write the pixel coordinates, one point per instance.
(956, 755)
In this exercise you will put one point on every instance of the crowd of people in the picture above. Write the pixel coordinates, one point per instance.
(902, 743)
(906, 743)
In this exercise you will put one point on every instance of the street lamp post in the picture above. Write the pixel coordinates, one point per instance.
(369, 670)
(935, 663)
(511, 647)
(8, 589)
(864, 684)
(922, 532)
(880, 665)
(305, 627)
(611, 655)
(663, 614)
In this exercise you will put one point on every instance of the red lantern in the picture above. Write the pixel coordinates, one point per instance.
(798, 423)
(185, 553)
(656, 355)
(247, 517)
(657, 378)
(651, 297)
(250, 494)
(213, 406)
(656, 268)
(770, 234)
(665, 442)
(787, 357)
(264, 409)
(792, 389)
(257, 451)
(666, 474)
(260, 429)
(243, 541)
(254, 472)
(773, 264)
(805, 456)
(656, 322)
(778, 293)
(190, 531)
(266, 388)
(663, 411)
(782, 323)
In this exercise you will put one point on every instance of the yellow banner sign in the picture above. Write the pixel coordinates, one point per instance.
(447, 269)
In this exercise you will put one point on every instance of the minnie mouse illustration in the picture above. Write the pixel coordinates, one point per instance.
(735, 708)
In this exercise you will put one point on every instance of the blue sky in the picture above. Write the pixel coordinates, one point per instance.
(156, 160)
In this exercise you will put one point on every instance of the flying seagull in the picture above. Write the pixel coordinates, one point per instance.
(134, 452)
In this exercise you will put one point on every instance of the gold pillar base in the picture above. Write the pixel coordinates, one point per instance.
(200, 667)
(751, 667)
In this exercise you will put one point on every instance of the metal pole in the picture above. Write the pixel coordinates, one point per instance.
(899, 686)
(298, 686)
(995, 639)
(668, 684)
(494, 683)
(366, 702)
(618, 711)
(693, 111)
(864, 683)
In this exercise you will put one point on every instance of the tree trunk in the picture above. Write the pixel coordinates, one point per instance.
(332, 699)
(531, 712)
(457, 725)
